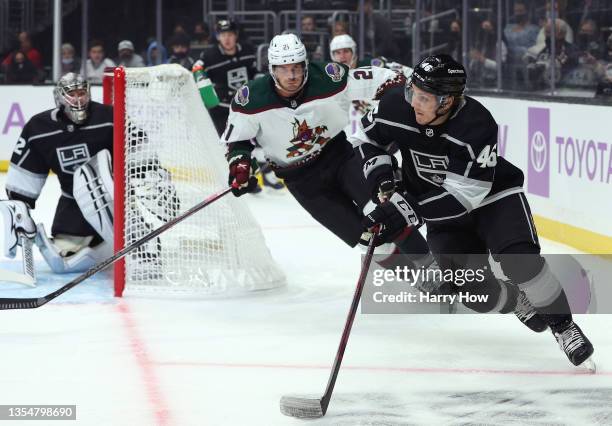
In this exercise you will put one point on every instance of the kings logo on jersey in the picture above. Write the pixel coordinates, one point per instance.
(72, 157)
(305, 138)
(236, 78)
(334, 71)
(429, 167)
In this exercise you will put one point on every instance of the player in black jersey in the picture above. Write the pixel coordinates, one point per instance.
(74, 141)
(470, 198)
(229, 65)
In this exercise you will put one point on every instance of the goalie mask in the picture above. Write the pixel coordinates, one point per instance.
(72, 96)
(287, 49)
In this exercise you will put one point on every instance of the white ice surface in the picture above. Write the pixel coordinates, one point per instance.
(145, 361)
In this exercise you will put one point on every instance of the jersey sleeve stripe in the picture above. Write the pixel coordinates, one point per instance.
(400, 125)
(97, 126)
(24, 182)
(469, 192)
(460, 143)
(24, 157)
(434, 198)
(44, 135)
(500, 195)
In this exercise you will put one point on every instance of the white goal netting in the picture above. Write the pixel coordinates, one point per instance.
(173, 160)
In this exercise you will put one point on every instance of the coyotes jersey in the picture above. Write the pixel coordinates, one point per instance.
(294, 131)
(229, 72)
(51, 142)
(448, 170)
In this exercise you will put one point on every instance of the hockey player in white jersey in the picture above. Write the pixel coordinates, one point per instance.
(343, 49)
(297, 114)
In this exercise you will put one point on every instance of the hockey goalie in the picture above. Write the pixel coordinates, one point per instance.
(75, 141)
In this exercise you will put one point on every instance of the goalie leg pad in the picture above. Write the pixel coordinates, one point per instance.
(77, 257)
(93, 192)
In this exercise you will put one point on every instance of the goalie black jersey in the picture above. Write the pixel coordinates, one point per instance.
(51, 142)
(448, 170)
(229, 72)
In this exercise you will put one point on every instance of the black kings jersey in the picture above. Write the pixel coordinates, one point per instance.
(448, 170)
(229, 72)
(51, 142)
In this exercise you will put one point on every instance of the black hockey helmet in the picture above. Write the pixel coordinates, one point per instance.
(226, 25)
(440, 75)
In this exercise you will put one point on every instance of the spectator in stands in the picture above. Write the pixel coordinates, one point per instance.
(589, 40)
(310, 38)
(591, 68)
(339, 28)
(201, 39)
(93, 69)
(537, 58)
(127, 57)
(608, 50)
(21, 70)
(25, 46)
(569, 33)
(179, 51)
(153, 54)
(70, 62)
(520, 35)
(454, 40)
(483, 60)
(378, 33)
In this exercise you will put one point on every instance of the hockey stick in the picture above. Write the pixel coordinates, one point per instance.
(311, 408)
(37, 302)
(28, 277)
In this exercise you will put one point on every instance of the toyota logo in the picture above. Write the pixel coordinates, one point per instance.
(539, 153)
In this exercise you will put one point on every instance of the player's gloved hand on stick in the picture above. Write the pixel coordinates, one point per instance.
(241, 175)
(385, 190)
(393, 215)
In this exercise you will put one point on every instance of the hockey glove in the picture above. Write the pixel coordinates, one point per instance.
(393, 215)
(242, 175)
(17, 221)
(385, 190)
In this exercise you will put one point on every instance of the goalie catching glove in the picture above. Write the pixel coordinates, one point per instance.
(242, 171)
(393, 215)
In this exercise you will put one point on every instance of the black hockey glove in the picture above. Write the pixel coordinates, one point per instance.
(393, 215)
(242, 169)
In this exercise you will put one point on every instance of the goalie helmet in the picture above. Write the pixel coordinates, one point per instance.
(72, 96)
(287, 49)
(343, 41)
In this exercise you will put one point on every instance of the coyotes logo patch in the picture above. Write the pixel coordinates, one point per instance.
(306, 138)
(334, 71)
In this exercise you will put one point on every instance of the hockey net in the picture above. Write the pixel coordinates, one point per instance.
(167, 159)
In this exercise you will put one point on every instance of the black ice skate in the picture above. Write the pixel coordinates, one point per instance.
(527, 314)
(573, 342)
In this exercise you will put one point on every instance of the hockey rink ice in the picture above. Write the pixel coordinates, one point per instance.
(227, 361)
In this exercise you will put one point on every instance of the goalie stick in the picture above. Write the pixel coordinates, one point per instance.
(37, 302)
(312, 408)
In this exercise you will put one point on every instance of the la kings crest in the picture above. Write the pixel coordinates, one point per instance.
(237, 78)
(72, 157)
(429, 167)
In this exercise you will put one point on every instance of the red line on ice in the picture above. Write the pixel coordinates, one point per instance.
(391, 369)
(146, 365)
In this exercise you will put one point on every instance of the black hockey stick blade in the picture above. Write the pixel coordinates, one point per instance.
(312, 408)
(37, 302)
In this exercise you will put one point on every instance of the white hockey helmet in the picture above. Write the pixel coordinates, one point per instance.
(343, 41)
(75, 107)
(287, 49)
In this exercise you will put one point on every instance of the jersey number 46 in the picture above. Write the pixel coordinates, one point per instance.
(487, 157)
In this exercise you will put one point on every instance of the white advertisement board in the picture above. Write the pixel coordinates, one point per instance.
(565, 151)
